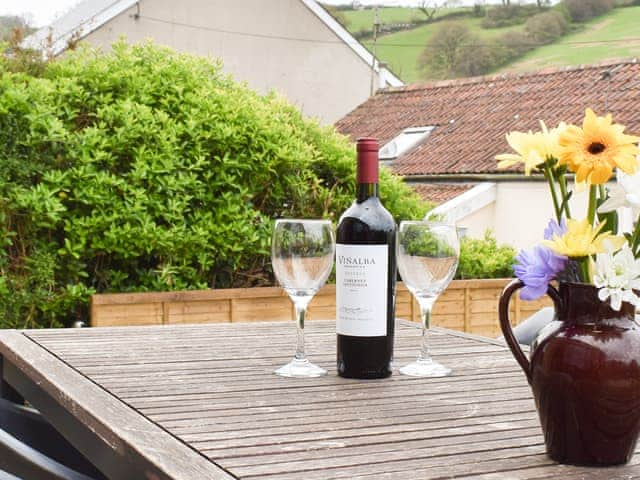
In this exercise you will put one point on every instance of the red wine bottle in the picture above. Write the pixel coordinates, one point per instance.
(366, 276)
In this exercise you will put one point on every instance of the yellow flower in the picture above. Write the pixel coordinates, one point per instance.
(581, 240)
(551, 137)
(527, 146)
(593, 151)
(533, 149)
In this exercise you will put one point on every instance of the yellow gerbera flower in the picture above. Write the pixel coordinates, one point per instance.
(533, 149)
(593, 151)
(581, 240)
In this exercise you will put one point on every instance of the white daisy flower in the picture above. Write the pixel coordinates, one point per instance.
(626, 193)
(617, 275)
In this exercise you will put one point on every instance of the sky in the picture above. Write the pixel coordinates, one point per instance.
(39, 12)
(43, 12)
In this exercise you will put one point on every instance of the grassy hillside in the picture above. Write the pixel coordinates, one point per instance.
(363, 19)
(401, 50)
(613, 30)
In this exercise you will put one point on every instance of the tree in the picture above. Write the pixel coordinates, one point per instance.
(443, 51)
(430, 8)
(9, 24)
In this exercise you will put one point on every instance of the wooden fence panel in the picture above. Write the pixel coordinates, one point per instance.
(467, 305)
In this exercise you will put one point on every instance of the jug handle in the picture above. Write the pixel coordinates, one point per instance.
(505, 323)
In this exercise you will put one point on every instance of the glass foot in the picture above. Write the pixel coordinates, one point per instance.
(300, 369)
(425, 368)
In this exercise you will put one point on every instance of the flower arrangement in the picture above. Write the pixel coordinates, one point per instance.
(588, 250)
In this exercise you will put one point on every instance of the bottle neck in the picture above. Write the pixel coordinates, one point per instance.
(364, 191)
(367, 174)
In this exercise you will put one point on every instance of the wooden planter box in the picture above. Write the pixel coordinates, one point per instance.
(467, 305)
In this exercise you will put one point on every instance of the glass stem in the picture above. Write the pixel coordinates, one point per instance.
(425, 311)
(301, 311)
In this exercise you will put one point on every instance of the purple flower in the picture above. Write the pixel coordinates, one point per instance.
(536, 267)
(553, 229)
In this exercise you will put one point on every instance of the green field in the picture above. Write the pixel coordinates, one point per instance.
(619, 31)
(363, 19)
(614, 35)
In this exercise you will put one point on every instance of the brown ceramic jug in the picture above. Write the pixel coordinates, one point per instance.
(584, 371)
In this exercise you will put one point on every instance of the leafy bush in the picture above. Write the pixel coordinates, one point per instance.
(583, 10)
(484, 258)
(479, 57)
(144, 169)
(508, 15)
(546, 27)
(516, 44)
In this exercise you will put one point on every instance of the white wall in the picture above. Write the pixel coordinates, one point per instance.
(324, 76)
(520, 213)
(479, 221)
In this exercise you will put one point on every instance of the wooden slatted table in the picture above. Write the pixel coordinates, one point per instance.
(201, 402)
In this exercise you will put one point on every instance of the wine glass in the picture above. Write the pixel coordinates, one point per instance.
(427, 259)
(302, 259)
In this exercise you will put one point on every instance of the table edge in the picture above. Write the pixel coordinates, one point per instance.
(112, 421)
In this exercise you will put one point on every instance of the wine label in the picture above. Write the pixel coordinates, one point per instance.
(361, 290)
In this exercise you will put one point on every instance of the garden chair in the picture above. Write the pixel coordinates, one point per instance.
(30, 448)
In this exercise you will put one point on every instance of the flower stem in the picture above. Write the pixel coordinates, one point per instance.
(583, 269)
(554, 196)
(562, 181)
(635, 239)
(591, 214)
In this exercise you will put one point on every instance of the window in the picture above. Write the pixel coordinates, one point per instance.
(409, 138)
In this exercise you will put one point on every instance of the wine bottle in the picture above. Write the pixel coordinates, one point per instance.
(365, 276)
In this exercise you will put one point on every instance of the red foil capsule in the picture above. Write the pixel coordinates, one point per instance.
(367, 171)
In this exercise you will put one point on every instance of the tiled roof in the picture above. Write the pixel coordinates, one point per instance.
(473, 115)
(441, 192)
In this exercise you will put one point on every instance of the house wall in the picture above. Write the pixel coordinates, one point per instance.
(479, 221)
(323, 76)
(520, 213)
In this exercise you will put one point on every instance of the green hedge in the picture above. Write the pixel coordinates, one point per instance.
(144, 169)
(485, 258)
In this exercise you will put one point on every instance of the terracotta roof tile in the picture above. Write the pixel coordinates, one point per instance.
(441, 192)
(473, 115)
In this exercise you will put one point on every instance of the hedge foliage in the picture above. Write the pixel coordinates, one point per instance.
(485, 258)
(144, 169)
